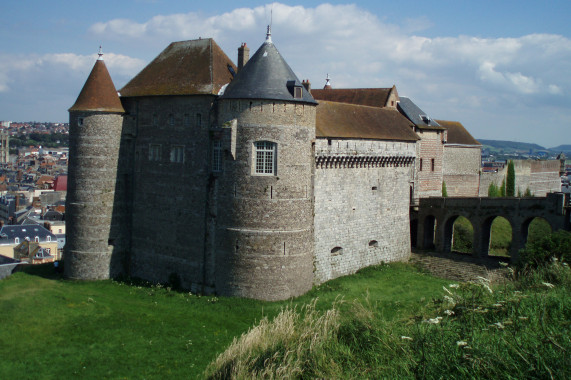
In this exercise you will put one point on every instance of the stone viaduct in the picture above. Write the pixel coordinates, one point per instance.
(433, 224)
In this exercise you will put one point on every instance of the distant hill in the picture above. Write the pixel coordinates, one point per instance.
(562, 148)
(511, 146)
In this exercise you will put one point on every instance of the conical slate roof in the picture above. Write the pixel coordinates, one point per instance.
(195, 67)
(98, 92)
(266, 76)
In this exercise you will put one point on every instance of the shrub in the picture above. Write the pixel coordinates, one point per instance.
(552, 247)
(444, 191)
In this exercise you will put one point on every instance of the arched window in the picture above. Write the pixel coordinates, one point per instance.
(17, 240)
(337, 251)
(37, 239)
(49, 238)
(373, 243)
(265, 156)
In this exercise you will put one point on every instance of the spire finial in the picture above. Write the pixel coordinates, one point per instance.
(269, 34)
(327, 82)
(100, 53)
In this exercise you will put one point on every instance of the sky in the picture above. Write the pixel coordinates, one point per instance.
(502, 68)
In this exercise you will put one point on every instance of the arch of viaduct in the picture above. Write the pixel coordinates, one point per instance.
(432, 226)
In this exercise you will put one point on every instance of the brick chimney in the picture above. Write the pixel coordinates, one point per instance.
(243, 55)
(307, 85)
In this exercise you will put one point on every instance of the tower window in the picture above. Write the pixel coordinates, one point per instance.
(432, 164)
(154, 152)
(216, 156)
(79, 121)
(420, 165)
(265, 157)
(177, 153)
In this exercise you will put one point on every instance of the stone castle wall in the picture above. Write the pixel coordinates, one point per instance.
(361, 204)
(170, 178)
(264, 223)
(461, 170)
(541, 177)
(94, 141)
(428, 177)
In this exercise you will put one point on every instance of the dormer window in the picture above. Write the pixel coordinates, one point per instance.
(298, 92)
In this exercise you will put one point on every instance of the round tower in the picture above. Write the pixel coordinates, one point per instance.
(94, 138)
(264, 236)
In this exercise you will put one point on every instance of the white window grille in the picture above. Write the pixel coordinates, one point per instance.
(265, 157)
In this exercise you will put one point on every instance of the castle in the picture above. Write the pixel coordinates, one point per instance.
(242, 180)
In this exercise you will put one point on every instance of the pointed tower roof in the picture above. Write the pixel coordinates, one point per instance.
(98, 92)
(195, 67)
(267, 76)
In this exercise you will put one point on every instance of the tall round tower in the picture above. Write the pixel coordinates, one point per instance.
(264, 235)
(94, 139)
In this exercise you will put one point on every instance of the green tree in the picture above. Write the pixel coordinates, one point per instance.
(493, 191)
(444, 191)
(510, 181)
(503, 188)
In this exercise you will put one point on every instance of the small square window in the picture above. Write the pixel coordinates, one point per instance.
(177, 154)
(80, 121)
(154, 152)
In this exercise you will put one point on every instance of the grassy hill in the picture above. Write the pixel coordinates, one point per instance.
(513, 147)
(388, 321)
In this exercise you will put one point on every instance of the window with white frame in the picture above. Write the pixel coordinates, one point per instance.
(216, 156)
(265, 154)
(37, 239)
(177, 153)
(49, 238)
(154, 152)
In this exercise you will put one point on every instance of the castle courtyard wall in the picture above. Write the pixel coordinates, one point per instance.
(461, 170)
(361, 204)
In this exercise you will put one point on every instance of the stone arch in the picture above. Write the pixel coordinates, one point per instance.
(486, 234)
(450, 231)
(429, 232)
(524, 231)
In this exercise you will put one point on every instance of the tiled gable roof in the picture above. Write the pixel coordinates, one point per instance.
(457, 134)
(373, 97)
(344, 120)
(194, 67)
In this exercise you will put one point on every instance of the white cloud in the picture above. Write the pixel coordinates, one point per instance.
(457, 76)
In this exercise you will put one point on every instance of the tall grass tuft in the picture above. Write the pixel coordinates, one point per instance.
(290, 345)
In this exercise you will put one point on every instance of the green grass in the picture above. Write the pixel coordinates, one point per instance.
(519, 330)
(54, 328)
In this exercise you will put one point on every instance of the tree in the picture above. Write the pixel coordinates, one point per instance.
(493, 191)
(444, 191)
(510, 180)
(503, 188)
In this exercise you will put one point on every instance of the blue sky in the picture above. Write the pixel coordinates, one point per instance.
(502, 68)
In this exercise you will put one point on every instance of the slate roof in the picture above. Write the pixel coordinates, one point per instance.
(457, 134)
(373, 97)
(344, 120)
(415, 114)
(98, 92)
(30, 231)
(195, 67)
(266, 76)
